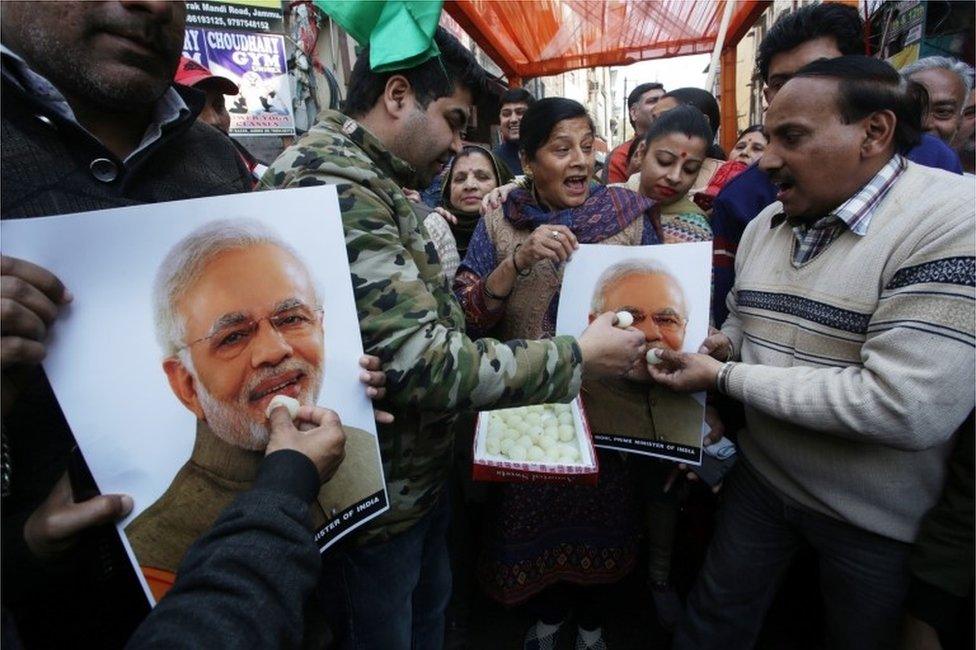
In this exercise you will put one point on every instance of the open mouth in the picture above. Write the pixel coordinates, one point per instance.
(575, 185)
(288, 383)
(784, 189)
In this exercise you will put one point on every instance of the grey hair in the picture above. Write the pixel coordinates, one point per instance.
(959, 68)
(613, 274)
(184, 264)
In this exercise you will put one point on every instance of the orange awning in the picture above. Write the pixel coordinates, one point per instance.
(532, 38)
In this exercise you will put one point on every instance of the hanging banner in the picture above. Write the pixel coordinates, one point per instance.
(257, 63)
(252, 15)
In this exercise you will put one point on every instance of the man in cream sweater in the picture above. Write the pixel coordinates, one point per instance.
(850, 341)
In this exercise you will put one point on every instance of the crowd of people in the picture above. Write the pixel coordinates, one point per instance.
(841, 358)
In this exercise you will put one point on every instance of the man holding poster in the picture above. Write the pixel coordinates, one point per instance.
(399, 129)
(849, 342)
(90, 121)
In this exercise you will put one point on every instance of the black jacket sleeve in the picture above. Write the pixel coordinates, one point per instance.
(245, 583)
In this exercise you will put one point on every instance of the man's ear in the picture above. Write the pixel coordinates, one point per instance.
(396, 95)
(879, 132)
(590, 319)
(641, 150)
(526, 165)
(183, 385)
(632, 111)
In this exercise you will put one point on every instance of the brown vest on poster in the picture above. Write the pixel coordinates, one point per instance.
(215, 474)
(642, 410)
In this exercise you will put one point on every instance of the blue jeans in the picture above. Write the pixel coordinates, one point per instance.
(391, 595)
(863, 576)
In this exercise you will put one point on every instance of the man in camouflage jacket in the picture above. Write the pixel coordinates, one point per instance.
(391, 589)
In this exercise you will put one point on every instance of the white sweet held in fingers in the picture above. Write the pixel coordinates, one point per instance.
(652, 357)
(624, 319)
(289, 403)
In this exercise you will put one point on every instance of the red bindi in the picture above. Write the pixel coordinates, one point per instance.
(684, 154)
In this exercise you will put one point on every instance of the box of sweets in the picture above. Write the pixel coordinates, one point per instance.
(541, 443)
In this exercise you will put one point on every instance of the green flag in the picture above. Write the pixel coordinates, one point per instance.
(400, 33)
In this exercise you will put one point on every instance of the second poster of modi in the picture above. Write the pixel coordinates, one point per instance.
(666, 288)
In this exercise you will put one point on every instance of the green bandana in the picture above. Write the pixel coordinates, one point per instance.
(400, 33)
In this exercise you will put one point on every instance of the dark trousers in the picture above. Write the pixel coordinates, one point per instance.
(392, 595)
(863, 576)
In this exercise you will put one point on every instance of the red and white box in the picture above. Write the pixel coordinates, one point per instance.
(501, 467)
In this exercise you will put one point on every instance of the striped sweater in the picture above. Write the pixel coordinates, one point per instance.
(857, 367)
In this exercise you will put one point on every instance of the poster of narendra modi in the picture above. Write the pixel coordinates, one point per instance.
(188, 319)
(663, 291)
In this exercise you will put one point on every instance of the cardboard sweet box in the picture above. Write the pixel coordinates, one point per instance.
(542, 443)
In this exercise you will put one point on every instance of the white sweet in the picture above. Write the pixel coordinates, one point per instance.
(567, 432)
(624, 319)
(517, 452)
(652, 357)
(546, 443)
(536, 454)
(505, 445)
(492, 446)
(533, 418)
(289, 403)
(552, 454)
(525, 441)
(566, 418)
(566, 459)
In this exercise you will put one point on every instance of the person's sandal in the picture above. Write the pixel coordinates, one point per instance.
(590, 639)
(541, 636)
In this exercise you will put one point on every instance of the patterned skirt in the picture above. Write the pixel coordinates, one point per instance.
(538, 535)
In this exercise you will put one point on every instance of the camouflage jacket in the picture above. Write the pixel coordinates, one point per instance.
(409, 318)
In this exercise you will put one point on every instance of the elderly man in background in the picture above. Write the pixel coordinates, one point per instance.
(850, 342)
(948, 82)
(965, 140)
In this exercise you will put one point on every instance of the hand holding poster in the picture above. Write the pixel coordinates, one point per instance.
(666, 290)
(188, 318)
